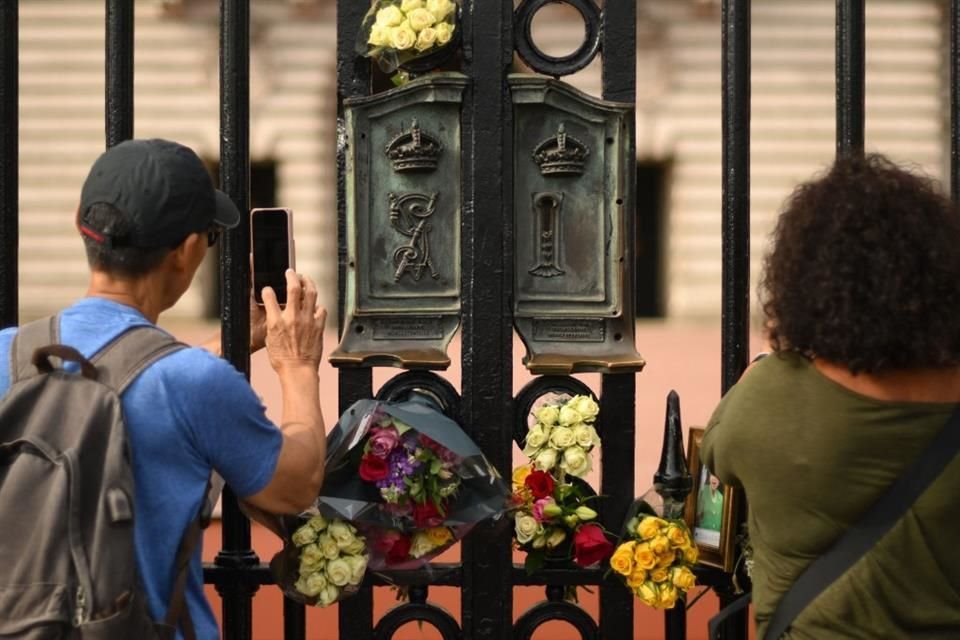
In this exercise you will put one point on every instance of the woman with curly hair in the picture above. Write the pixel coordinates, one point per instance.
(861, 297)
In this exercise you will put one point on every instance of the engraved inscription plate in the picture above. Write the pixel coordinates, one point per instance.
(568, 330)
(419, 328)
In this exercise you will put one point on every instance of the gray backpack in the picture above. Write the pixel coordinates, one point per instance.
(67, 563)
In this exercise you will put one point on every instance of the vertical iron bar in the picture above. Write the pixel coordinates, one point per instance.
(487, 284)
(618, 392)
(235, 288)
(353, 79)
(736, 220)
(119, 83)
(851, 55)
(9, 161)
(955, 99)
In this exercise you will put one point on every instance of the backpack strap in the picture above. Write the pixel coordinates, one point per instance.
(128, 355)
(29, 338)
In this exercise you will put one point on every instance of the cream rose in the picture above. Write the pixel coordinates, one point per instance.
(306, 568)
(586, 407)
(328, 596)
(311, 585)
(402, 37)
(426, 39)
(420, 19)
(358, 566)
(546, 459)
(328, 546)
(409, 5)
(537, 436)
(379, 35)
(562, 437)
(342, 532)
(548, 414)
(356, 547)
(390, 16)
(304, 535)
(317, 523)
(311, 554)
(421, 545)
(338, 572)
(576, 462)
(526, 527)
(569, 416)
(585, 513)
(444, 35)
(586, 436)
(440, 8)
(555, 537)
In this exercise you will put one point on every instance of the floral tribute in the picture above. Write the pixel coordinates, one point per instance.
(655, 559)
(552, 519)
(395, 32)
(332, 560)
(403, 483)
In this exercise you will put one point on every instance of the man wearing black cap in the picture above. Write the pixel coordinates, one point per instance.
(148, 213)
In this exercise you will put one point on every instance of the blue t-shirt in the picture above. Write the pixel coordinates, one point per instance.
(186, 415)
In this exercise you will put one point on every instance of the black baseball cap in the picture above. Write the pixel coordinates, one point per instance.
(163, 189)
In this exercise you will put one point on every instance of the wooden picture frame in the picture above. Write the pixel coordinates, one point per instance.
(717, 541)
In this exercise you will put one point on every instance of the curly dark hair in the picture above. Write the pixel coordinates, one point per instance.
(865, 270)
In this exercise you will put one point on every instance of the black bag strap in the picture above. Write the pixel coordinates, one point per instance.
(867, 531)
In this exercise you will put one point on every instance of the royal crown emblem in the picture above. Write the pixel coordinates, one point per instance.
(414, 150)
(561, 155)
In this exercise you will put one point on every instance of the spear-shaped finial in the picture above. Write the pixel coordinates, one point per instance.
(672, 479)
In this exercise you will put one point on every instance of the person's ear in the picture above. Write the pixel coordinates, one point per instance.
(189, 252)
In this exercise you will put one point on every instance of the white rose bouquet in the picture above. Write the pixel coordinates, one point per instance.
(398, 32)
(562, 437)
(323, 561)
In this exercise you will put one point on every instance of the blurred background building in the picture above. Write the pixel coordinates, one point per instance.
(293, 112)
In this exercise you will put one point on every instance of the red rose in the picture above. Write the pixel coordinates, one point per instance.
(426, 515)
(540, 483)
(590, 545)
(399, 551)
(373, 468)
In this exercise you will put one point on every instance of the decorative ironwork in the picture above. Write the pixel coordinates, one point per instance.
(546, 208)
(417, 610)
(561, 155)
(555, 609)
(410, 215)
(414, 150)
(438, 389)
(557, 66)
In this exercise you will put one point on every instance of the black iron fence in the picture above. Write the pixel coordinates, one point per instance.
(490, 33)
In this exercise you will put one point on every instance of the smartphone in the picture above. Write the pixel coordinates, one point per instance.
(271, 238)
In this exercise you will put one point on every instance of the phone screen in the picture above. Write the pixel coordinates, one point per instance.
(270, 236)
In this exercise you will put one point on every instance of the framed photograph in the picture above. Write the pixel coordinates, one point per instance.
(710, 510)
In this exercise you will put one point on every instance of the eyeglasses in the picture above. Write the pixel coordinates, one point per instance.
(212, 234)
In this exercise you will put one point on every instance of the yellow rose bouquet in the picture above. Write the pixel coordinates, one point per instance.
(408, 33)
(655, 557)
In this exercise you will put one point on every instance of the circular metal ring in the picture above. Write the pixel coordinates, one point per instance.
(544, 612)
(557, 66)
(438, 389)
(538, 387)
(415, 612)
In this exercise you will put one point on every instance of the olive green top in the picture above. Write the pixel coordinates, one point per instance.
(812, 456)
